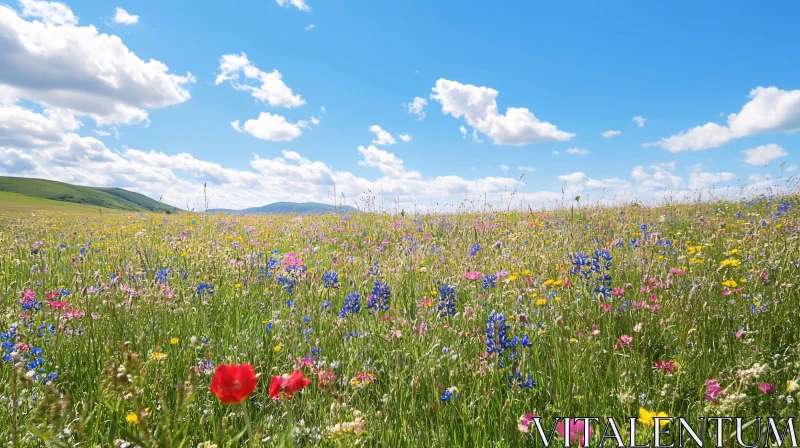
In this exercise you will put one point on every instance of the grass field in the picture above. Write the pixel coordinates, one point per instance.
(13, 203)
(431, 330)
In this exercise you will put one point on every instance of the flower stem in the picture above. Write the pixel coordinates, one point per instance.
(250, 438)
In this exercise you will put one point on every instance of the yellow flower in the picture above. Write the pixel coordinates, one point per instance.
(511, 278)
(174, 341)
(646, 417)
(132, 418)
(733, 251)
(541, 302)
(730, 262)
(792, 385)
(729, 283)
(158, 356)
(573, 340)
(526, 272)
(237, 286)
(277, 348)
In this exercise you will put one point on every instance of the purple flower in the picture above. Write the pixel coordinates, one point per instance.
(766, 388)
(713, 390)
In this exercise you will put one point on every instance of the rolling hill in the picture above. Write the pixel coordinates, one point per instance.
(287, 207)
(113, 198)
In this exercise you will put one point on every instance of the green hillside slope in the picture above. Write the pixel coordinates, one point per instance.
(113, 198)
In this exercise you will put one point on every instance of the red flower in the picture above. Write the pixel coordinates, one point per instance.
(288, 384)
(232, 383)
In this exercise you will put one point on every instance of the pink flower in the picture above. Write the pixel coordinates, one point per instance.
(667, 366)
(525, 421)
(58, 304)
(766, 388)
(73, 313)
(576, 431)
(472, 275)
(618, 291)
(713, 390)
(606, 307)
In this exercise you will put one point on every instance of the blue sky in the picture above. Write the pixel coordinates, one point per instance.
(583, 67)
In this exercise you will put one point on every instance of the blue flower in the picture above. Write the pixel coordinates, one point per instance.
(331, 279)
(447, 301)
(204, 288)
(474, 249)
(379, 298)
(352, 305)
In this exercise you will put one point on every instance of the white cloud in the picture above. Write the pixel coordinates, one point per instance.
(529, 169)
(707, 136)
(315, 120)
(34, 144)
(273, 128)
(769, 110)
(271, 90)
(701, 179)
(578, 181)
(764, 154)
(503, 168)
(123, 18)
(383, 138)
(101, 133)
(639, 120)
(609, 134)
(791, 168)
(299, 4)
(478, 106)
(49, 12)
(578, 151)
(56, 63)
(463, 131)
(416, 107)
(555, 153)
(405, 138)
(310, 27)
(659, 177)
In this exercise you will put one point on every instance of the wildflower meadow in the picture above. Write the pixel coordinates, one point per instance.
(378, 329)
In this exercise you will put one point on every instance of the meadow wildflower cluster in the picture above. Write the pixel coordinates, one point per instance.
(374, 329)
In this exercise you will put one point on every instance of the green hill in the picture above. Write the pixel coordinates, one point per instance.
(113, 198)
(287, 207)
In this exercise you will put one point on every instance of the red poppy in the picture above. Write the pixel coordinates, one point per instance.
(288, 384)
(232, 383)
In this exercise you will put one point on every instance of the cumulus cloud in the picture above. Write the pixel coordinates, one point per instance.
(463, 131)
(504, 167)
(763, 155)
(269, 127)
(578, 182)
(769, 110)
(382, 137)
(405, 138)
(578, 151)
(123, 18)
(478, 107)
(53, 61)
(310, 27)
(299, 4)
(639, 120)
(609, 134)
(528, 169)
(657, 177)
(698, 178)
(267, 87)
(416, 107)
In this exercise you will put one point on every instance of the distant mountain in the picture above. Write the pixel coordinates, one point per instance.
(114, 198)
(287, 207)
